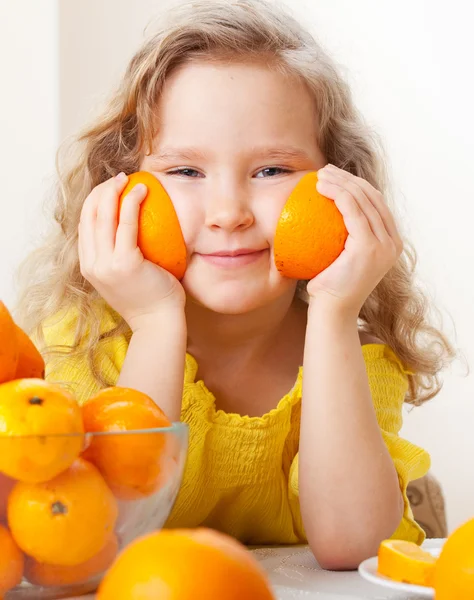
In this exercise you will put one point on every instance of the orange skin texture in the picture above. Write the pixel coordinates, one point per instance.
(6, 486)
(48, 575)
(30, 362)
(160, 238)
(65, 521)
(184, 565)
(454, 572)
(35, 420)
(9, 350)
(11, 562)
(131, 464)
(310, 233)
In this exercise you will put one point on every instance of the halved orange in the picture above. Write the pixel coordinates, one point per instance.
(159, 233)
(310, 233)
(406, 562)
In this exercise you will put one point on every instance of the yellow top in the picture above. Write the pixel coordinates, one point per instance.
(242, 472)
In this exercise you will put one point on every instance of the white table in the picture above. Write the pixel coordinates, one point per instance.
(295, 575)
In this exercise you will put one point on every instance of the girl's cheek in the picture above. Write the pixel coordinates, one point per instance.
(190, 217)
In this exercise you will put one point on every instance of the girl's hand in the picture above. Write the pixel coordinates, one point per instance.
(372, 246)
(112, 262)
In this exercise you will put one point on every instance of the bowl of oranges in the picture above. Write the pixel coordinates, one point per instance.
(77, 483)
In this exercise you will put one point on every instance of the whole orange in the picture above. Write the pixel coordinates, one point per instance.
(30, 362)
(47, 575)
(454, 570)
(185, 565)
(11, 561)
(130, 463)
(159, 233)
(41, 430)
(310, 233)
(8, 345)
(65, 521)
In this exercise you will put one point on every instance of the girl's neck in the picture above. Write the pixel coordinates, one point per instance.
(219, 338)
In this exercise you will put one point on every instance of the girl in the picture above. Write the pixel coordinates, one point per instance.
(229, 105)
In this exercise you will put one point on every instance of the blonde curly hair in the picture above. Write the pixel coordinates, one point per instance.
(241, 30)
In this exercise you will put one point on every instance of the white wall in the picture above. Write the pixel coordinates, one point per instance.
(410, 67)
(28, 124)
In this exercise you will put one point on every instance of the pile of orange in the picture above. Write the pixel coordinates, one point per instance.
(59, 490)
(451, 575)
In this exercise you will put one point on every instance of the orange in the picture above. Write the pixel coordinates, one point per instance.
(406, 562)
(159, 233)
(45, 414)
(11, 561)
(52, 575)
(310, 233)
(8, 345)
(130, 463)
(65, 521)
(454, 572)
(185, 565)
(6, 486)
(30, 362)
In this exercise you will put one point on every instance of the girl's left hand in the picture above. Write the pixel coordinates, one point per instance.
(372, 246)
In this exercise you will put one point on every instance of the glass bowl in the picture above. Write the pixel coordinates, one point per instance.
(149, 465)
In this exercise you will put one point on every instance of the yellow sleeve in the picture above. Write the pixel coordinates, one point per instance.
(75, 371)
(388, 385)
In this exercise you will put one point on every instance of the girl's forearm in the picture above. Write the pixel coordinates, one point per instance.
(349, 490)
(155, 361)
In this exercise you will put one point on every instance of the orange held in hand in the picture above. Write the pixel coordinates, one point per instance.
(36, 422)
(159, 233)
(11, 561)
(310, 234)
(46, 575)
(8, 345)
(406, 562)
(185, 565)
(131, 464)
(454, 572)
(65, 521)
(30, 362)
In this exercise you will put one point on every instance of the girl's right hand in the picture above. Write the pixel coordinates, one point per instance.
(112, 262)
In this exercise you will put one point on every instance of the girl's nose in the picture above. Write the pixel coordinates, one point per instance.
(229, 211)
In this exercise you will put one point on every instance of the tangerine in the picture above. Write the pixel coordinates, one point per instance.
(65, 521)
(185, 565)
(6, 486)
(11, 561)
(48, 575)
(310, 233)
(30, 362)
(41, 430)
(131, 464)
(160, 238)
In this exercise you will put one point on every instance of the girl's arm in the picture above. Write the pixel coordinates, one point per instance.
(349, 490)
(155, 361)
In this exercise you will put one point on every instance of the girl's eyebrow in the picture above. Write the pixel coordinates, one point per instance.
(274, 153)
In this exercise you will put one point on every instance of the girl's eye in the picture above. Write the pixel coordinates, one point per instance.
(185, 172)
(271, 172)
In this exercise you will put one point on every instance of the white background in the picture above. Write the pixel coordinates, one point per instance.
(410, 65)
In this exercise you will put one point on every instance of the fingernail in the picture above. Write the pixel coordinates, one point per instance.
(140, 188)
(121, 176)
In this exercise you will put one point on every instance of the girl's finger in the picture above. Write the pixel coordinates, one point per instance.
(86, 229)
(106, 223)
(374, 196)
(373, 216)
(127, 230)
(355, 219)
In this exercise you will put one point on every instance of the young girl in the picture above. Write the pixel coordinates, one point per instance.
(229, 105)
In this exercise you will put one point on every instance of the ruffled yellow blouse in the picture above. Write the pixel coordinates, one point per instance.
(242, 472)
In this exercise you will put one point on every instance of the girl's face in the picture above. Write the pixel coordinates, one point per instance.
(233, 141)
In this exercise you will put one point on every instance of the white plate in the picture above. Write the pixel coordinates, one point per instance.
(368, 570)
